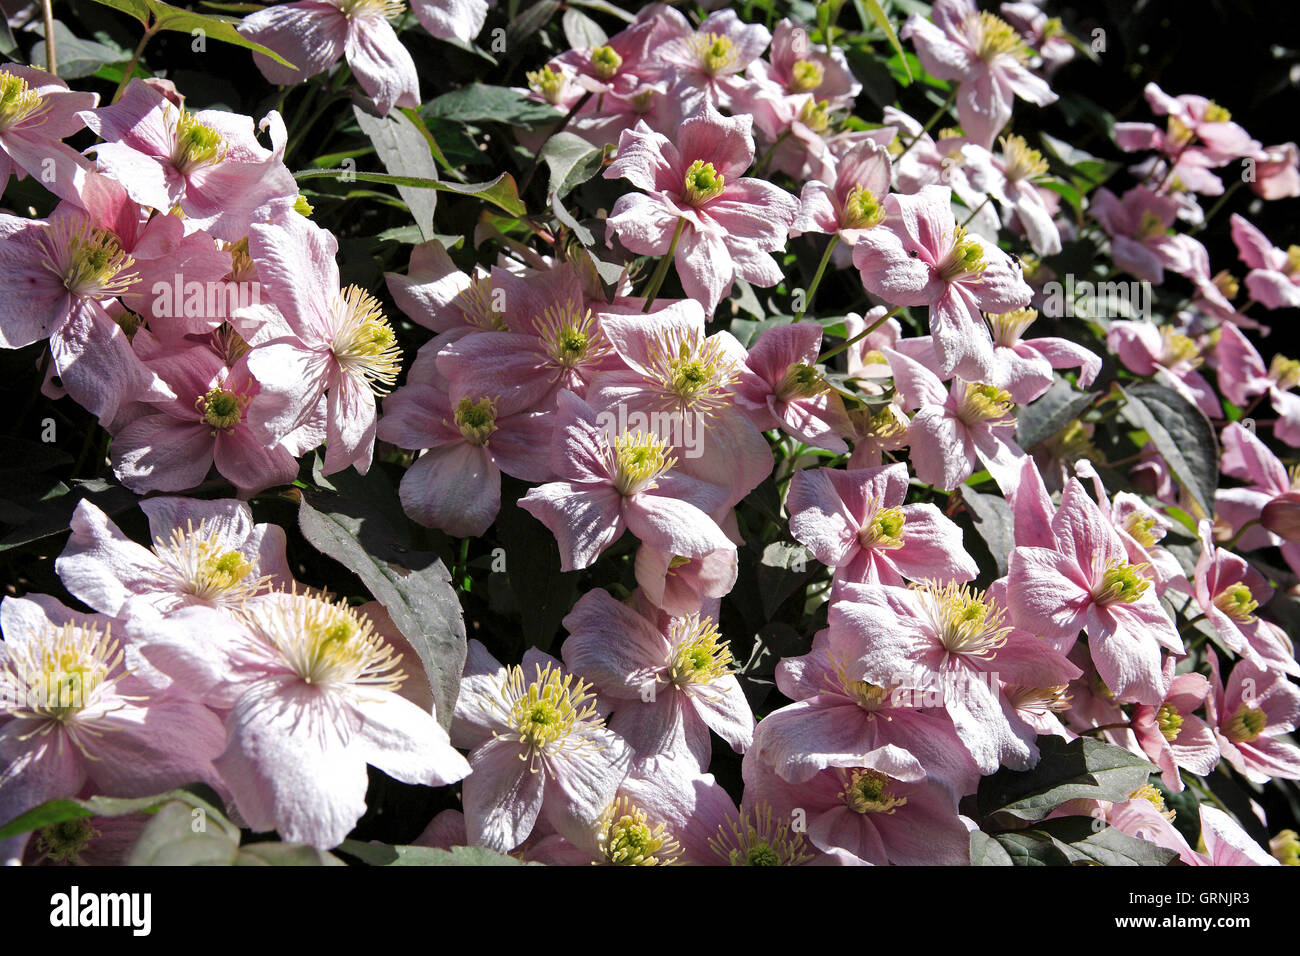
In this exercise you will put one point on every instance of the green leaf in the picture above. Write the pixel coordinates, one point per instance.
(582, 32)
(78, 58)
(403, 150)
(172, 839)
(544, 594)
(176, 20)
(876, 13)
(380, 854)
(285, 854)
(413, 586)
(60, 811)
(478, 103)
(1089, 840)
(54, 512)
(530, 21)
(1182, 434)
(572, 161)
(991, 515)
(1051, 412)
(501, 192)
(602, 6)
(1029, 849)
(136, 8)
(1082, 769)
(986, 851)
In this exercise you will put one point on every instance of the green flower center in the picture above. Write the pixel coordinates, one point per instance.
(1246, 724)
(222, 409)
(1169, 720)
(476, 419)
(862, 209)
(806, 76)
(702, 183)
(18, 102)
(1121, 583)
(605, 62)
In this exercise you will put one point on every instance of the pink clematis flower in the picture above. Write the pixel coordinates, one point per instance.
(857, 523)
(1045, 34)
(172, 446)
(455, 485)
(1246, 457)
(1226, 843)
(1228, 590)
(1086, 581)
(706, 62)
(1242, 376)
(309, 692)
(862, 815)
(922, 257)
(314, 34)
(787, 391)
(837, 721)
(1016, 187)
(670, 680)
(72, 713)
(538, 746)
(615, 481)
(685, 386)
(452, 19)
(956, 430)
(208, 164)
(950, 160)
(680, 586)
(1169, 355)
(952, 640)
(1023, 367)
(987, 58)
(1138, 225)
(1248, 715)
(851, 203)
(795, 66)
(694, 185)
(37, 112)
(1172, 735)
(208, 553)
(1277, 172)
(1274, 277)
(335, 346)
(1196, 126)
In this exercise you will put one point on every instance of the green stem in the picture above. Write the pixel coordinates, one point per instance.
(929, 124)
(817, 278)
(135, 58)
(1240, 531)
(975, 212)
(860, 336)
(1205, 791)
(1218, 205)
(661, 270)
(51, 62)
(537, 157)
(1189, 623)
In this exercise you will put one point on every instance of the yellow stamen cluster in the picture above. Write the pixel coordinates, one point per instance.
(196, 144)
(129, 322)
(605, 62)
(801, 381)
(1008, 327)
(1020, 160)
(1155, 798)
(548, 83)
(715, 53)
(1285, 372)
(221, 408)
(198, 563)
(816, 115)
(1214, 113)
(1169, 720)
(60, 672)
(1150, 226)
(862, 209)
(362, 9)
(1292, 260)
(90, 261)
(324, 643)
(1039, 700)
(701, 655)
(867, 791)
(806, 76)
(545, 712)
(964, 620)
(1246, 724)
(626, 838)
(1121, 583)
(994, 37)
(19, 103)
(884, 530)
(476, 420)
(638, 458)
(978, 402)
(364, 343)
(1175, 348)
(965, 259)
(694, 373)
(476, 302)
(883, 424)
(1227, 284)
(1141, 528)
(1285, 847)
(569, 338)
(1237, 602)
(64, 842)
(702, 182)
(756, 839)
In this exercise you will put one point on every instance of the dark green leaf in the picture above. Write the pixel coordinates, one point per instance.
(1049, 413)
(478, 103)
(403, 150)
(1182, 434)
